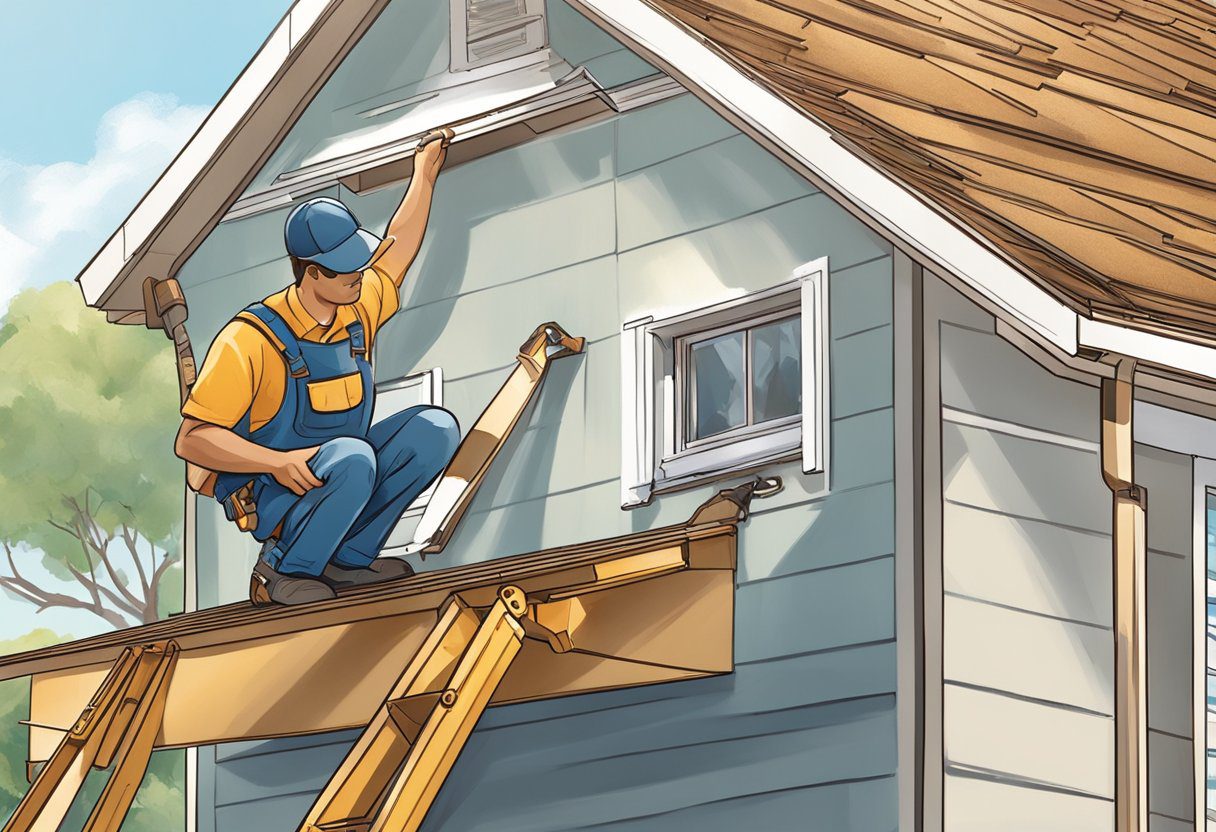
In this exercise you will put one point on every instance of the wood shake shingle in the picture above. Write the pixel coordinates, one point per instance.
(1076, 136)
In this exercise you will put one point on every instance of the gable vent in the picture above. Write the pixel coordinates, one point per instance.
(486, 31)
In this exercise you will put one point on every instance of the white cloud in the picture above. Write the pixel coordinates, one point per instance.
(53, 218)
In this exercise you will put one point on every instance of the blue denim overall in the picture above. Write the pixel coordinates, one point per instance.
(370, 474)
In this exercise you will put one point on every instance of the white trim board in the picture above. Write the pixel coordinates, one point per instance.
(1174, 430)
(955, 416)
(904, 217)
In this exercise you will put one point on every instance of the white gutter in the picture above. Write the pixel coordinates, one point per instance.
(896, 211)
(1146, 346)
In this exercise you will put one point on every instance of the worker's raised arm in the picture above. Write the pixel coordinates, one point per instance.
(408, 223)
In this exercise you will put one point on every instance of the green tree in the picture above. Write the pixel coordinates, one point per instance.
(89, 481)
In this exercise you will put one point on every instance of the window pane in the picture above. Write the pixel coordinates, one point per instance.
(717, 381)
(777, 370)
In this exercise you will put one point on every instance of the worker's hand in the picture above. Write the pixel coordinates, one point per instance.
(292, 471)
(432, 150)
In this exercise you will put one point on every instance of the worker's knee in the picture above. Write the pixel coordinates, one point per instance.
(346, 460)
(432, 435)
(443, 432)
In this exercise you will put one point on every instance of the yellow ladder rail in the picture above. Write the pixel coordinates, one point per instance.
(391, 776)
(118, 727)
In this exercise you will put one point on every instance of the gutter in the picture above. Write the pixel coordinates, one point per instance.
(1129, 505)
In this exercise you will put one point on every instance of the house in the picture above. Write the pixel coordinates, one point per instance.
(944, 269)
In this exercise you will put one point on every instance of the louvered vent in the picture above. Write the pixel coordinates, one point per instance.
(485, 31)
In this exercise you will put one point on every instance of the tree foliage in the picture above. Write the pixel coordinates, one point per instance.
(87, 472)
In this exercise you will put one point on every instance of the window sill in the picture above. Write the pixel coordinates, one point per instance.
(693, 468)
(665, 482)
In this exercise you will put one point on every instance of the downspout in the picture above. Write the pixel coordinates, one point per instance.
(1130, 503)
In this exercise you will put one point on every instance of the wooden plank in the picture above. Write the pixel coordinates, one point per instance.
(456, 488)
(674, 625)
(1010, 737)
(537, 571)
(1029, 655)
(981, 806)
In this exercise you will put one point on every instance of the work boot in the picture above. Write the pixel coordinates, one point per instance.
(379, 571)
(266, 586)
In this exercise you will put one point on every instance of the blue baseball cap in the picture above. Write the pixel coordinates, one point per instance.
(325, 232)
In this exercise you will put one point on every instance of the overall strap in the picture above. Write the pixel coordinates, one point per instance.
(354, 331)
(276, 330)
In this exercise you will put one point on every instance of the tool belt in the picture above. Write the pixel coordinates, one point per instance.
(240, 508)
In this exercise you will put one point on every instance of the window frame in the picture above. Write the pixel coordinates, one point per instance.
(1203, 484)
(654, 454)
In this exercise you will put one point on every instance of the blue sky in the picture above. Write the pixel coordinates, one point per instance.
(104, 95)
(99, 97)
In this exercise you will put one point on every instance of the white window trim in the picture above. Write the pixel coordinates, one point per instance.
(650, 460)
(536, 35)
(432, 381)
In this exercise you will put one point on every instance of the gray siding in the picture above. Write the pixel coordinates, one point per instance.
(1171, 786)
(1028, 651)
(1027, 645)
(667, 206)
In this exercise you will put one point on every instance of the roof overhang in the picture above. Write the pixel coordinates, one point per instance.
(926, 231)
(650, 607)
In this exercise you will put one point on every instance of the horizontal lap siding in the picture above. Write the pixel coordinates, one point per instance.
(1167, 477)
(1028, 649)
(661, 208)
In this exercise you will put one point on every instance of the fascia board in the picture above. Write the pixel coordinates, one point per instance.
(1187, 356)
(444, 106)
(472, 116)
(887, 204)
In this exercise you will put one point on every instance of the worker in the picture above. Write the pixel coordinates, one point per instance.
(282, 406)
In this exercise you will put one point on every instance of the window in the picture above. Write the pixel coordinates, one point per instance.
(487, 31)
(398, 394)
(726, 387)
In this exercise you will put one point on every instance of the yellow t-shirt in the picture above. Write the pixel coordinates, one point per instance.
(245, 372)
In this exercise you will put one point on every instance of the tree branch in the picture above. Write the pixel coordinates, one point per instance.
(101, 550)
(95, 588)
(131, 542)
(43, 599)
(84, 537)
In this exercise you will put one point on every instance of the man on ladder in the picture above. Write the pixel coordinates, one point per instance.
(282, 406)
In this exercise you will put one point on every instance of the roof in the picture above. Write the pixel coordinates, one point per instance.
(1076, 136)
